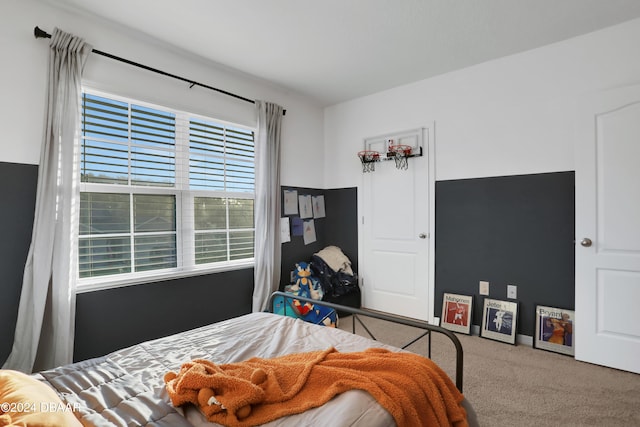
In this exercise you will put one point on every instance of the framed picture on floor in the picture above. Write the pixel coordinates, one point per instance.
(499, 320)
(456, 312)
(554, 329)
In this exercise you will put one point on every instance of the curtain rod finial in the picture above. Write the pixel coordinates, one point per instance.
(39, 34)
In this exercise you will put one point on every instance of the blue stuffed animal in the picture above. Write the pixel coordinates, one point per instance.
(305, 285)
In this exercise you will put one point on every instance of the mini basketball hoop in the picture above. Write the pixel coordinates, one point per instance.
(400, 154)
(368, 159)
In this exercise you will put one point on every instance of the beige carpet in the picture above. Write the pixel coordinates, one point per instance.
(522, 386)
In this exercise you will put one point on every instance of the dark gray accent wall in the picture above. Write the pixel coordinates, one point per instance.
(342, 230)
(18, 189)
(507, 230)
(295, 250)
(516, 229)
(338, 228)
(110, 319)
(115, 318)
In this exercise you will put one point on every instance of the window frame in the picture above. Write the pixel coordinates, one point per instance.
(184, 197)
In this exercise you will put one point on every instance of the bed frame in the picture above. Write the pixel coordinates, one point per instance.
(356, 312)
(127, 387)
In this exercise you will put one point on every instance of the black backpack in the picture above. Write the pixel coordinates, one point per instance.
(334, 283)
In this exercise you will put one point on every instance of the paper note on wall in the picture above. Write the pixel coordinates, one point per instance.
(318, 207)
(306, 211)
(309, 235)
(285, 234)
(290, 202)
(297, 226)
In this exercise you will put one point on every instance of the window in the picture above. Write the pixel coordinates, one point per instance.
(162, 191)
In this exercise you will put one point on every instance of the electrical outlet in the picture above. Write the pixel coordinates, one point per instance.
(512, 291)
(484, 288)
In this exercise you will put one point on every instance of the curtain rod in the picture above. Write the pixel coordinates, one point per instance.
(39, 34)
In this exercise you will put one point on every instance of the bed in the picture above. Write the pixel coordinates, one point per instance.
(129, 387)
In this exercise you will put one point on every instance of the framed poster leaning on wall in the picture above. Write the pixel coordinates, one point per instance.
(499, 320)
(456, 313)
(554, 330)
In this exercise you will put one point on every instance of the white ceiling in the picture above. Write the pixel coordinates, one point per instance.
(336, 50)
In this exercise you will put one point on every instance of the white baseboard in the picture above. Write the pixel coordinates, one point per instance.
(520, 339)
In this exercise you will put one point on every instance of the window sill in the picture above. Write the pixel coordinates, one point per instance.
(101, 283)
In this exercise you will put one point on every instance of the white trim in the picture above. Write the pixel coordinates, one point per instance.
(520, 339)
(429, 150)
(111, 282)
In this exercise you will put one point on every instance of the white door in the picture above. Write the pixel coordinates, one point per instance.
(396, 268)
(607, 160)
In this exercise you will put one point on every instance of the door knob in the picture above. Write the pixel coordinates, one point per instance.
(422, 235)
(586, 242)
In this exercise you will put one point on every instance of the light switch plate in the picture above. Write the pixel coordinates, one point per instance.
(484, 288)
(512, 291)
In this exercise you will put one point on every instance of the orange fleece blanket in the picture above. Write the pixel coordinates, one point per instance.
(414, 390)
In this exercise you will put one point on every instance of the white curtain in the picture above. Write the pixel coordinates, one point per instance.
(46, 315)
(267, 204)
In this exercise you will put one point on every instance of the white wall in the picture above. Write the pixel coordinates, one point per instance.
(24, 71)
(504, 117)
(508, 116)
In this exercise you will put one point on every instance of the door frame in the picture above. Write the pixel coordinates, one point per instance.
(428, 150)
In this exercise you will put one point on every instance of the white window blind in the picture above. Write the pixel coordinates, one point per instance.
(161, 191)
